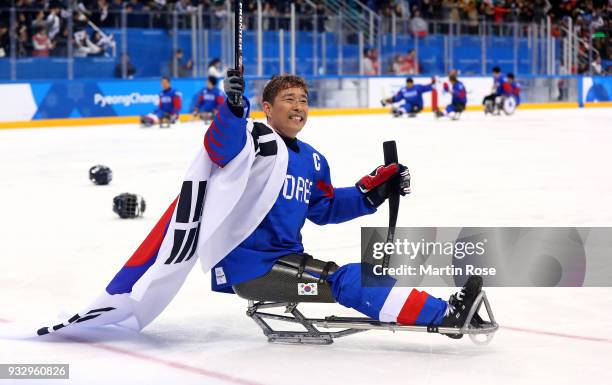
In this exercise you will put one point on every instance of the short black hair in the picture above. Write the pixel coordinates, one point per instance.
(279, 83)
(496, 69)
(212, 80)
(452, 78)
(165, 78)
(409, 80)
(510, 75)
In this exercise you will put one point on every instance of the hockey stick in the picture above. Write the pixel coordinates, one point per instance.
(390, 152)
(237, 42)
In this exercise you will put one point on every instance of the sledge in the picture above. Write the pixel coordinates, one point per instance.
(276, 296)
(480, 332)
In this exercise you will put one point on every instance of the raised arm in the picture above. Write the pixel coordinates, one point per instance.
(226, 136)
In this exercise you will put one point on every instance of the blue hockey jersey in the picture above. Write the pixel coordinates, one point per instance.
(459, 94)
(412, 95)
(307, 194)
(209, 99)
(498, 84)
(169, 102)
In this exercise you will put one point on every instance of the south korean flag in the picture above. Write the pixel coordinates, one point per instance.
(307, 289)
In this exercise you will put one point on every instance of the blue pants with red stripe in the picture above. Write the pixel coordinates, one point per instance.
(383, 301)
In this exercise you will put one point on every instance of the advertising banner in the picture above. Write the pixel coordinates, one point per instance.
(89, 98)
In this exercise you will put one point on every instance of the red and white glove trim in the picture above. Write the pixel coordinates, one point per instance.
(377, 177)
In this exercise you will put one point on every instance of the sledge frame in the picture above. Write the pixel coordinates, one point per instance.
(353, 325)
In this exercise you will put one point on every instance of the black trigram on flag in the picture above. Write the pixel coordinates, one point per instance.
(94, 313)
(264, 145)
(188, 211)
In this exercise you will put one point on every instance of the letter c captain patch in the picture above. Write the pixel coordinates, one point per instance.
(317, 161)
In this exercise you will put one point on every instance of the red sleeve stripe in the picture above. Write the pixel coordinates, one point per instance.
(412, 307)
(328, 189)
(215, 157)
(212, 139)
(214, 127)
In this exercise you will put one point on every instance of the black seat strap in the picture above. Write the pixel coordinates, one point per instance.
(328, 266)
(302, 267)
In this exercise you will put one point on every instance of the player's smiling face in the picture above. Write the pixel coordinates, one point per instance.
(289, 112)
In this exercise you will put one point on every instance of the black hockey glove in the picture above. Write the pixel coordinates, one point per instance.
(234, 89)
(378, 185)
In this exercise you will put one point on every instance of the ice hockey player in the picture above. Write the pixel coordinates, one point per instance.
(491, 101)
(458, 101)
(308, 193)
(512, 88)
(411, 95)
(169, 107)
(209, 100)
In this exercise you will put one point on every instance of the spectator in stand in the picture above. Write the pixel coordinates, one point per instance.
(130, 69)
(5, 48)
(24, 45)
(53, 21)
(411, 64)
(178, 66)
(41, 44)
(541, 9)
(183, 6)
(500, 10)
(396, 67)
(471, 10)
(61, 43)
(84, 46)
(371, 64)
(4, 41)
(596, 66)
(101, 16)
(39, 21)
(104, 42)
(220, 14)
(561, 84)
(418, 25)
(215, 69)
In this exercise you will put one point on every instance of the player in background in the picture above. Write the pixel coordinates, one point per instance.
(209, 100)
(510, 96)
(308, 193)
(512, 88)
(458, 98)
(490, 101)
(412, 97)
(168, 109)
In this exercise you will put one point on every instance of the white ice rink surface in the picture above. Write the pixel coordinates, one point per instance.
(60, 244)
